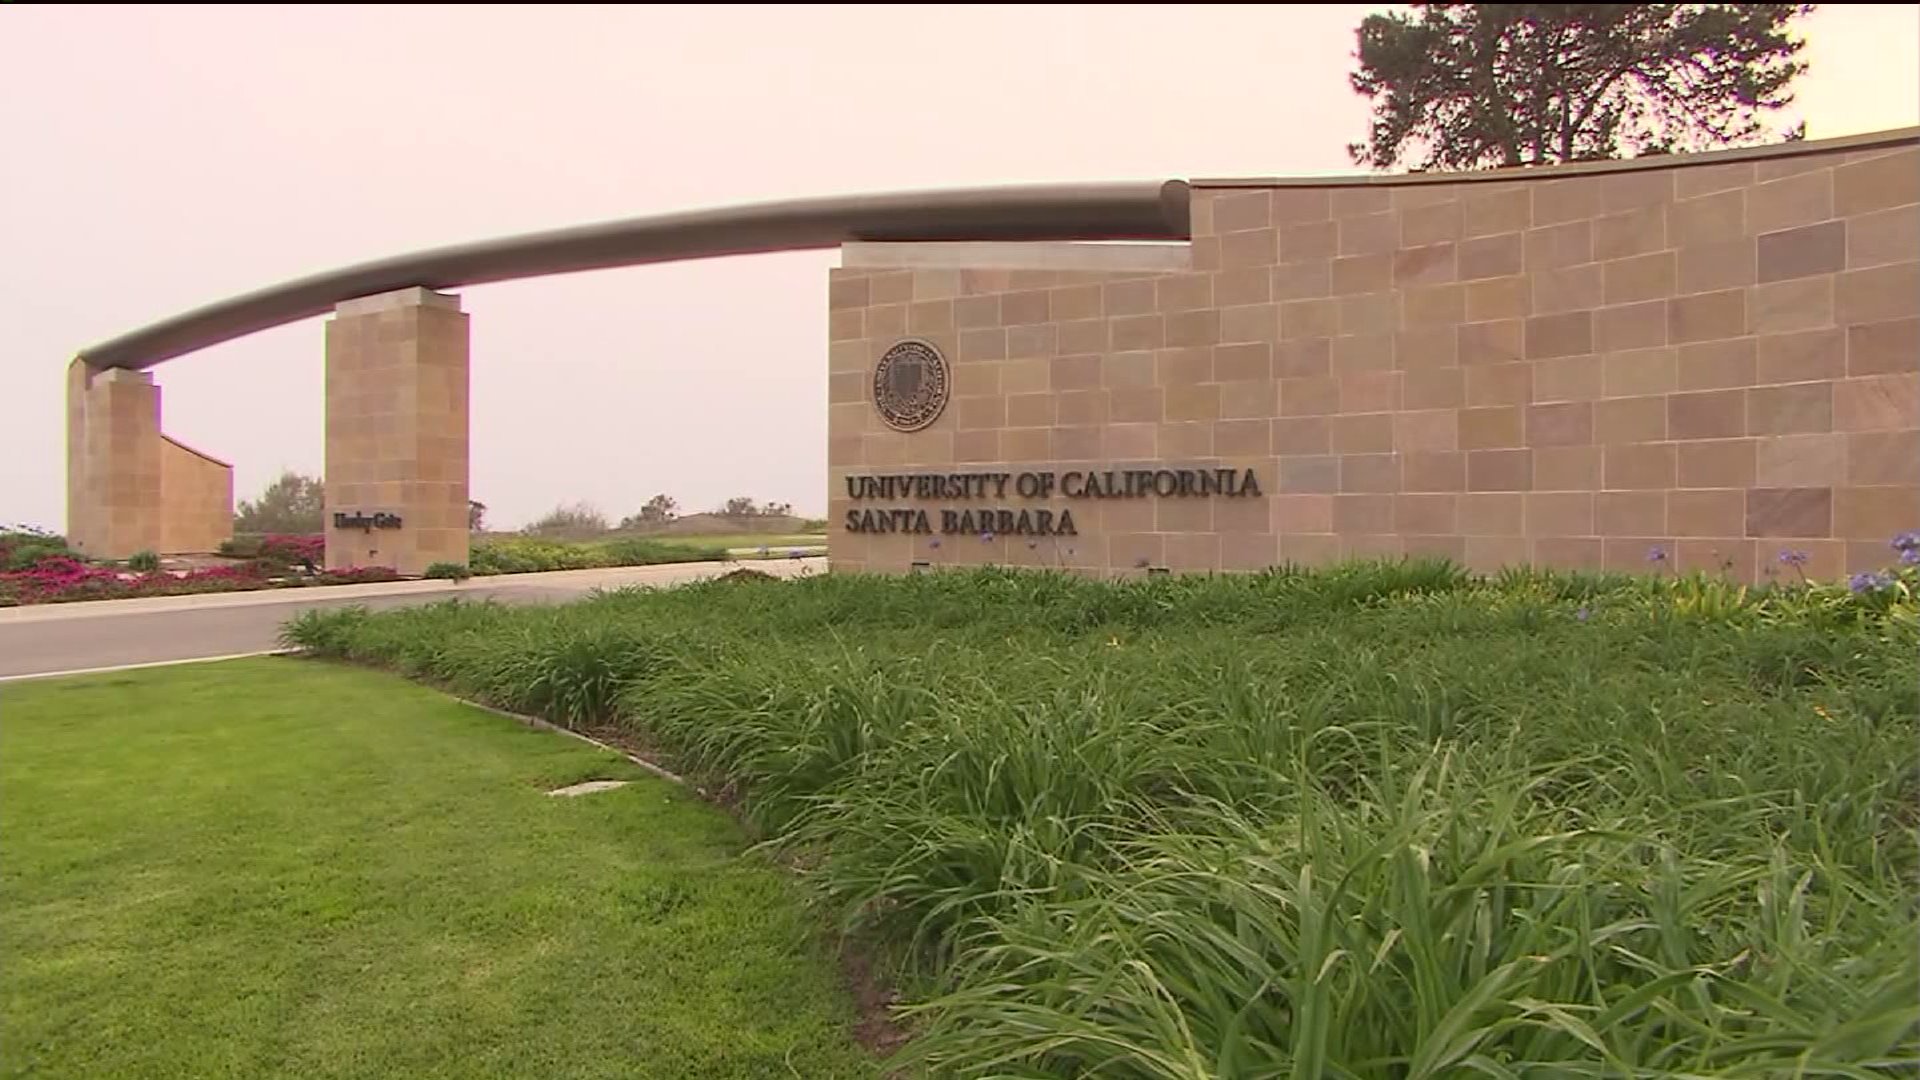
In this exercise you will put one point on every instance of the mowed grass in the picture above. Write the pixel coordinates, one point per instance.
(283, 868)
(1380, 821)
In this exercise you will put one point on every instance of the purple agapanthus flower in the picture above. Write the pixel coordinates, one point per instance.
(1867, 581)
(1583, 614)
(1910, 557)
(1907, 541)
(986, 537)
(1656, 554)
(934, 543)
(1793, 558)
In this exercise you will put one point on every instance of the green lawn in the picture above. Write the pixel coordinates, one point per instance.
(285, 868)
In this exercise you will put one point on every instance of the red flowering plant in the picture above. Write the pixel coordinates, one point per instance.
(62, 578)
(288, 549)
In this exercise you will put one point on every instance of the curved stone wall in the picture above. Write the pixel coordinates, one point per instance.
(196, 499)
(1713, 358)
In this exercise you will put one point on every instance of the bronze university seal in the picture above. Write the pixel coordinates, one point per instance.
(911, 384)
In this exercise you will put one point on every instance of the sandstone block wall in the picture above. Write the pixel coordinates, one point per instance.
(1717, 356)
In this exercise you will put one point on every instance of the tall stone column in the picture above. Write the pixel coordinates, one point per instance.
(396, 486)
(113, 461)
(80, 509)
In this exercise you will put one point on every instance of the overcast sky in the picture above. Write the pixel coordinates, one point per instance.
(159, 158)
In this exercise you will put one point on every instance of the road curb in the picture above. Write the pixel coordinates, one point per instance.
(110, 668)
(615, 577)
(548, 725)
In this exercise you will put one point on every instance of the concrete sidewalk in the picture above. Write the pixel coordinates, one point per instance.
(57, 638)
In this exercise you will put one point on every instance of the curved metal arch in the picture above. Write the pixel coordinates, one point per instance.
(1142, 211)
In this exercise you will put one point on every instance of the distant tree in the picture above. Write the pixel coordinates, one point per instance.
(658, 511)
(291, 504)
(742, 507)
(578, 519)
(1462, 86)
(476, 515)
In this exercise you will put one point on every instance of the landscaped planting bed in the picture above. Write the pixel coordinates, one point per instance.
(1378, 821)
(61, 579)
(38, 568)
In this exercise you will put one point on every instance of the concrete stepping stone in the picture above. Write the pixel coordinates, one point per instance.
(588, 787)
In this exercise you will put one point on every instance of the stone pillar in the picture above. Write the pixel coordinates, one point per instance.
(80, 510)
(396, 486)
(113, 461)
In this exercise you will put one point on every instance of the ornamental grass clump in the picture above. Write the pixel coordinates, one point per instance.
(1379, 820)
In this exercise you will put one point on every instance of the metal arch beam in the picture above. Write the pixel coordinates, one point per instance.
(1140, 211)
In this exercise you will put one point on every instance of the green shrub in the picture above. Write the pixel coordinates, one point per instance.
(243, 546)
(449, 571)
(524, 555)
(26, 556)
(527, 555)
(578, 520)
(21, 547)
(144, 562)
(638, 552)
(1380, 820)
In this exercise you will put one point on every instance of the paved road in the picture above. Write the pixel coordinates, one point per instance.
(77, 637)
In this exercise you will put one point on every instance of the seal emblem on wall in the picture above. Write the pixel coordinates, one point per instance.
(910, 385)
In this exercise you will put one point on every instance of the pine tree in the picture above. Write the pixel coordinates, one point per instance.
(1463, 86)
